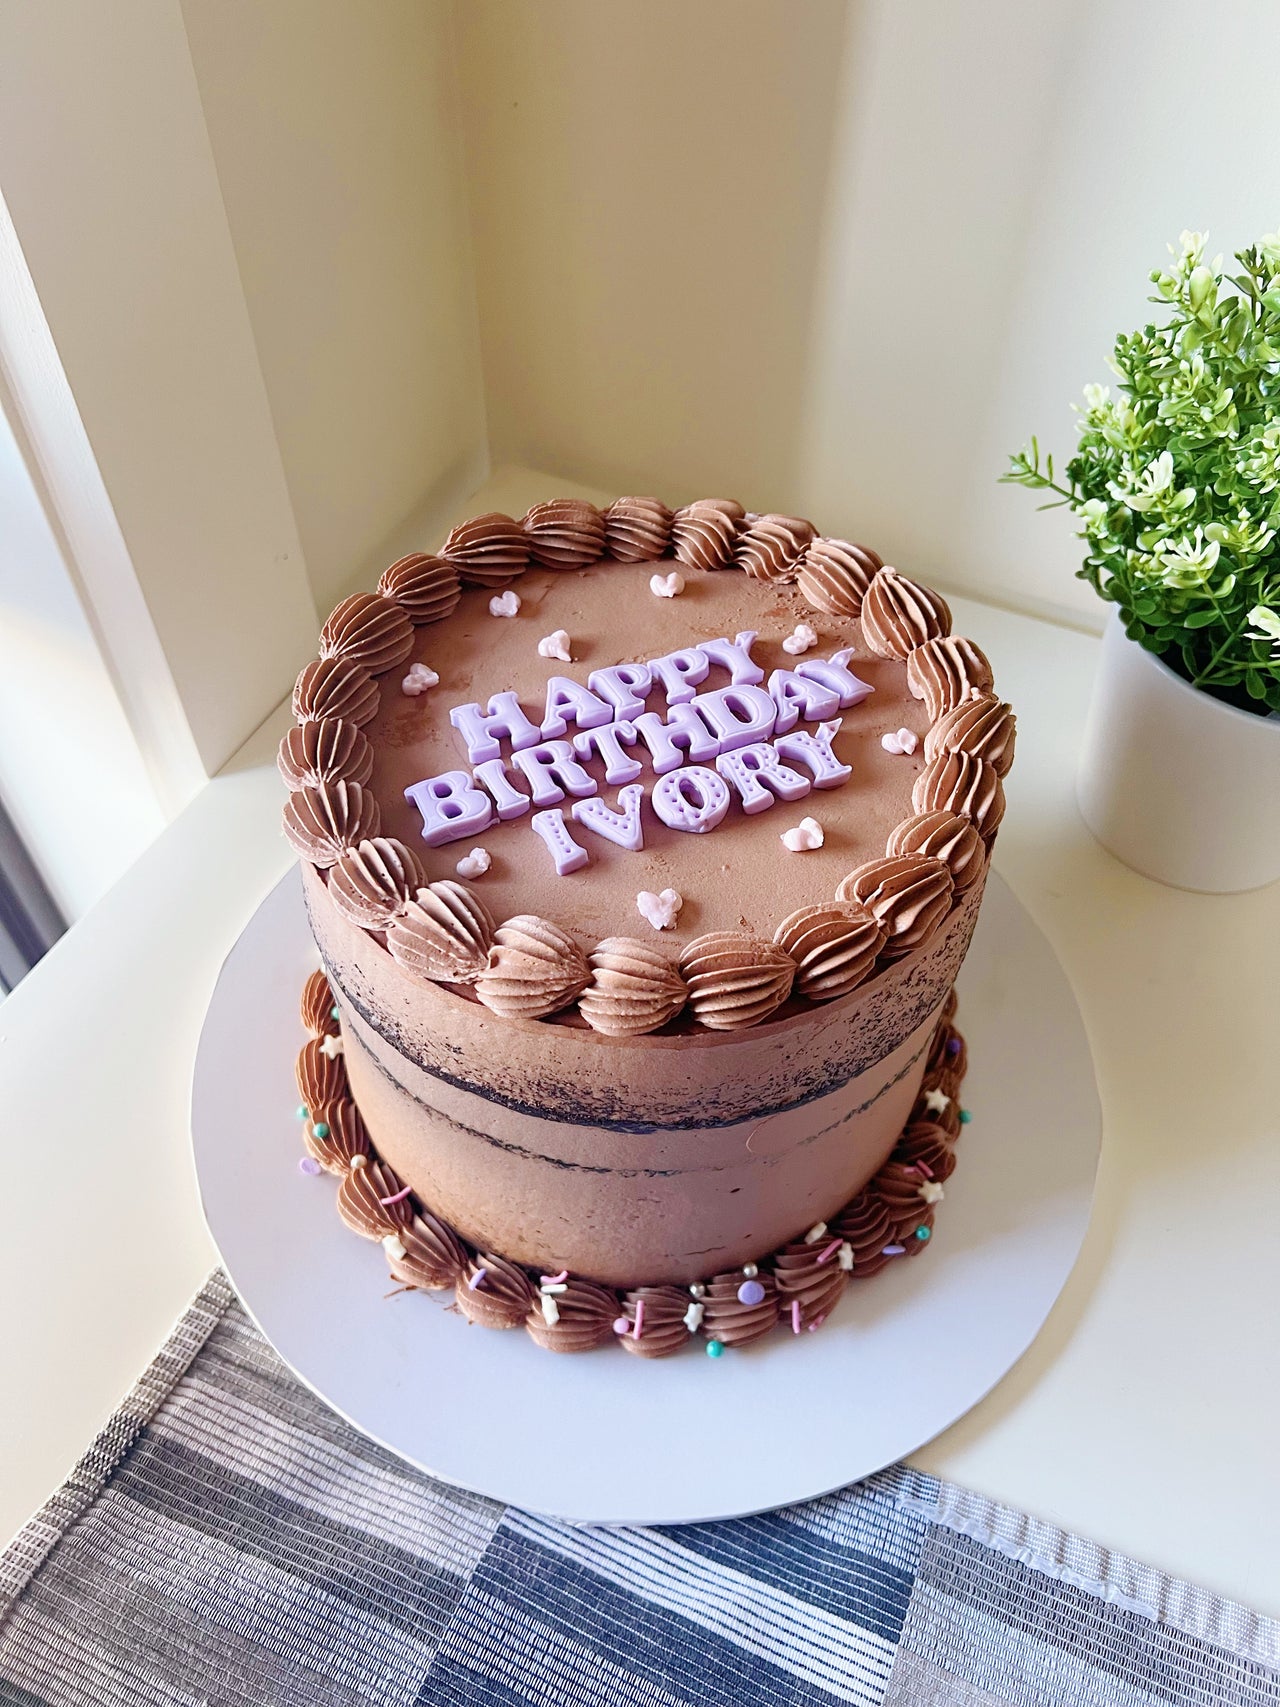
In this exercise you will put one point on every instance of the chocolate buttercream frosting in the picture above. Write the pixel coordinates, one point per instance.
(637, 530)
(703, 533)
(443, 934)
(908, 895)
(494, 1293)
(578, 1319)
(657, 1321)
(370, 631)
(373, 1202)
(834, 575)
(373, 881)
(316, 1006)
(566, 533)
(736, 1321)
(809, 1280)
(899, 615)
(534, 968)
(985, 728)
(945, 672)
(434, 1257)
(488, 550)
(336, 688)
(327, 750)
(426, 588)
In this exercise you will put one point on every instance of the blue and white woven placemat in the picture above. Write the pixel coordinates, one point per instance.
(229, 1542)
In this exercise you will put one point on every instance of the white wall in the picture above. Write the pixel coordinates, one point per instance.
(840, 257)
(106, 168)
(334, 127)
(71, 775)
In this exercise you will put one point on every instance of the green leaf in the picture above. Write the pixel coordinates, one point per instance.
(1202, 618)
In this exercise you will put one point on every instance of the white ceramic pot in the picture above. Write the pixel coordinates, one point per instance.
(1178, 785)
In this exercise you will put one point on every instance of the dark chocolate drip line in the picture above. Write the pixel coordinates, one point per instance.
(504, 1144)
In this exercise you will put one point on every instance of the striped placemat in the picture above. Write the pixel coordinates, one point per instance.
(228, 1541)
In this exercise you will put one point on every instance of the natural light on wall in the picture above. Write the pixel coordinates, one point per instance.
(70, 772)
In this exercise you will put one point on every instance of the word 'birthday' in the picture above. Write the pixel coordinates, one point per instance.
(741, 738)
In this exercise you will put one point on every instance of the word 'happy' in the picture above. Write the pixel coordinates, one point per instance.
(744, 730)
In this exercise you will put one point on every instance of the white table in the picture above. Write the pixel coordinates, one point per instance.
(1144, 1416)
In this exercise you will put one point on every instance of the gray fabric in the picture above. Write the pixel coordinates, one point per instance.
(228, 1541)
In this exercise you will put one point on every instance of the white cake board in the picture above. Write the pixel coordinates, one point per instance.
(604, 1437)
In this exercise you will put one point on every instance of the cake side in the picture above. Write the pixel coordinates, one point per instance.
(652, 1158)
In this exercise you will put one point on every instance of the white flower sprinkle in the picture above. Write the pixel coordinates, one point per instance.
(937, 1102)
(504, 604)
(474, 864)
(332, 1047)
(844, 1256)
(556, 646)
(931, 1191)
(900, 741)
(659, 910)
(666, 586)
(420, 678)
(693, 1316)
(802, 640)
(806, 836)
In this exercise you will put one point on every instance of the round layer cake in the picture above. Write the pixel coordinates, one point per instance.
(642, 851)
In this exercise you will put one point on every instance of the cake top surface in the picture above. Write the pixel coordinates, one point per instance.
(736, 876)
(716, 735)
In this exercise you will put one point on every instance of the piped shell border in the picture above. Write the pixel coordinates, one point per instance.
(731, 980)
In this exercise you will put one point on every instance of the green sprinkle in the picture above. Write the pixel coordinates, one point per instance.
(714, 1348)
(923, 1234)
(321, 1129)
(333, 1013)
(965, 1117)
(303, 1113)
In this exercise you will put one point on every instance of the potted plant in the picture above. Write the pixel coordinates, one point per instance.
(1176, 484)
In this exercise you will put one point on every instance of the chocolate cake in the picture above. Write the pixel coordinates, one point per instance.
(641, 850)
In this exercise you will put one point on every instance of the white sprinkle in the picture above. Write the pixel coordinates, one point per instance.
(693, 1316)
(937, 1102)
(816, 1233)
(550, 1309)
(803, 640)
(556, 646)
(504, 604)
(931, 1191)
(420, 678)
(393, 1245)
(666, 586)
(844, 1256)
(474, 864)
(901, 741)
(659, 910)
(332, 1047)
(806, 836)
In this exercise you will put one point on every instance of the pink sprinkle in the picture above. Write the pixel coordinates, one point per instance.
(398, 1198)
(555, 1279)
(477, 1279)
(816, 1323)
(894, 1251)
(795, 1316)
(827, 1254)
(925, 1169)
(622, 1325)
(639, 1317)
